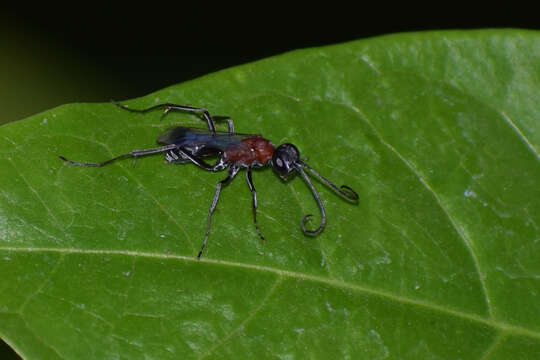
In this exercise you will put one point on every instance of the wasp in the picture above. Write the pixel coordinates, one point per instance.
(234, 152)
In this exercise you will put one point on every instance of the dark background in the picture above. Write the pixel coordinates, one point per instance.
(49, 57)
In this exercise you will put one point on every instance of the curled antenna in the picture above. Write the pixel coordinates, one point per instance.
(344, 191)
(319, 202)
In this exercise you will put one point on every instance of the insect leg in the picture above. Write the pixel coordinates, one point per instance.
(200, 111)
(218, 166)
(134, 154)
(232, 173)
(230, 123)
(254, 202)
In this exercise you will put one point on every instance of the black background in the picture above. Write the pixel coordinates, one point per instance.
(125, 52)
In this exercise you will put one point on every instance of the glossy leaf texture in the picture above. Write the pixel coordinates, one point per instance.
(438, 132)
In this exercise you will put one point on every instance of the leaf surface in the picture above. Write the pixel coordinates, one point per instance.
(437, 132)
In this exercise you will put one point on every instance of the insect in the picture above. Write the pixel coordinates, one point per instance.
(233, 151)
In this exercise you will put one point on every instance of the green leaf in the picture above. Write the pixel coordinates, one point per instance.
(438, 133)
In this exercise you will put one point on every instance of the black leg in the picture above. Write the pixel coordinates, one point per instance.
(254, 202)
(230, 123)
(201, 111)
(218, 166)
(134, 154)
(232, 173)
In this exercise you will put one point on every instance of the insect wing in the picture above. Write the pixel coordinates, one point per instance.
(198, 138)
(201, 142)
(184, 136)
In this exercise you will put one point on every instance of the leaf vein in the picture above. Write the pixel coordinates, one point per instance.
(141, 186)
(514, 127)
(40, 199)
(428, 187)
(453, 222)
(250, 316)
(38, 339)
(301, 276)
(43, 284)
(496, 342)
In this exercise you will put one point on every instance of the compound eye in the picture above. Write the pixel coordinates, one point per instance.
(279, 164)
(284, 159)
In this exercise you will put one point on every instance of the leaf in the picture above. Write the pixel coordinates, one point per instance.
(438, 133)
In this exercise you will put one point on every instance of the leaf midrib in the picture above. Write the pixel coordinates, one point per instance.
(501, 326)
